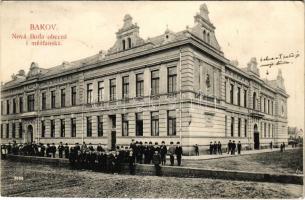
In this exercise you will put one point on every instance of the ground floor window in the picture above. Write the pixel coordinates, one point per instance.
(52, 128)
(13, 130)
(232, 126)
(246, 126)
(89, 126)
(154, 123)
(43, 129)
(99, 126)
(239, 126)
(62, 128)
(125, 125)
(139, 124)
(20, 130)
(7, 130)
(171, 122)
(73, 127)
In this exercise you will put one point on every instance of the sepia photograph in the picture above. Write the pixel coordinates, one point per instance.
(152, 99)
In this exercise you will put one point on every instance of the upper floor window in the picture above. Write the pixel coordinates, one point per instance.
(100, 91)
(204, 35)
(172, 79)
(31, 102)
(139, 85)
(53, 99)
(89, 92)
(208, 38)
(254, 101)
(123, 44)
(232, 126)
(232, 94)
(63, 97)
(112, 89)
(7, 106)
(268, 106)
(43, 101)
(21, 104)
(129, 42)
(155, 82)
(245, 98)
(73, 95)
(125, 92)
(238, 96)
(265, 105)
(14, 106)
(2, 108)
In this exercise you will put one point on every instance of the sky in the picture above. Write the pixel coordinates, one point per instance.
(243, 30)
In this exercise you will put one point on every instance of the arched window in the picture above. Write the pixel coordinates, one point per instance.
(254, 100)
(123, 44)
(208, 38)
(129, 43)
(204, 35)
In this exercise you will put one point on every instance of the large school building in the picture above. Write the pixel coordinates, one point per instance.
(177, 86)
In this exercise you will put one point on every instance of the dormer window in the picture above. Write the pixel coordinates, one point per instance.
(204, 35)
(123, 44)
(129, 43)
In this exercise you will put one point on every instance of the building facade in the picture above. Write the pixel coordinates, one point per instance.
(172, 87)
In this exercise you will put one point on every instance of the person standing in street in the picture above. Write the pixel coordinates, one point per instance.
(233, 148)
(211, 148)
(163, 152)
(238, 147)
(229, 147)
(66, 149)
(171, 151)
(178, 153)
(60, 150)
(196, 150)
(219, 150)
(156, 160)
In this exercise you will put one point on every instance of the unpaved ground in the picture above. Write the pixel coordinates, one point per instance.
(46, 181)
(273, 162)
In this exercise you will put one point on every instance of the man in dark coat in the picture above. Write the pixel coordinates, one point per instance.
(211, 148)
(156, 160)
(48, 150)
(53, 150)
(150, 152)
(171, 151)
(178, 153)
(219, 150)
(233, 147)
(196, 149)
(131, 161)
(60, 149)
(229, 148)
(42, 149)
(215, 148)
(163, 152)
(146, 153)
(99, 148)
(238, 147)
(66, 150)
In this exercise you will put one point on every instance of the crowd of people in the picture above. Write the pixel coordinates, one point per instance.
(100, 158)
(216, 148)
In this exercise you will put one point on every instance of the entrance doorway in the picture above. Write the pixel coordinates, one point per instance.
(30, 134)
(256, 137)
(113, 131)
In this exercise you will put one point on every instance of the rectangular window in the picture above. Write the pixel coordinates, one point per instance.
(239, 127)
(171, 122)
(43, 101)
(89, 92)
(238, 96)
(63, 97)
(246, 127)
(99, 126)
(14, 106)
(261, 104)
(43, 129)
(232, 126)
(31, 102)
(139, 124)
(269, 130)
(20, 130)
(1, 130)
(154, 123)
(13, 130)
(21, 104)
(264, 105)
(139, 85)
(155, 82)
(112, 89)
(7, 107)
(52, 122)
(232, 94)
(62, 128)
(226, 120)
(7, 130)
(124, 125)
(53, 99)
(245, 98)
(268, 106)
(265, 130)
(271, 107)
(2, 108)
(89, 126)
(100, 91)
(172, 79)
(73, 95)
(73, 127)
(125, 92)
